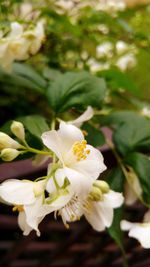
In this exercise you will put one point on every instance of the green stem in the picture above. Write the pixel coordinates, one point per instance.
(27, 148)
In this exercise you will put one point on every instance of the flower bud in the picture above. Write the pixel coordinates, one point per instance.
(96, 194)
(17, 129)
(7, 142)
(8, 154)
(102, 185)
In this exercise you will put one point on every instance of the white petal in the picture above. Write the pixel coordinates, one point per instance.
(69, 134)
(142, 233)
(139, 231)
(17, 192)
(32, 214)
(99, 216)
(3, 48)
(81, 184)
(93, 216)
(87, 115)
(52, 140)
(93, 165)
(59, 203)
(22, 223)
(50, 186)
(126, 226)
(16, 30)
(59, 177)
(113, 199)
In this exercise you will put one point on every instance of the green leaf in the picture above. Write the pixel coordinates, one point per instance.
(132, 131)
(74, 89)
(117, 79)
(29, 73)
(95, 136)
(35, 124)
(141, 165)
(24, 77)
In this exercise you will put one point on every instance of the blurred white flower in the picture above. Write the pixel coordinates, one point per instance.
(139, 231)
(67, 5)
(104, 50)
(146, 112)
(126, 62)
(111, 6)
(103, 28)
(121, 47)
(20, 44)
(96, 66)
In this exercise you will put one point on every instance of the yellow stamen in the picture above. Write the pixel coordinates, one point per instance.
(79, 150)
(85, 133)
(18, 208)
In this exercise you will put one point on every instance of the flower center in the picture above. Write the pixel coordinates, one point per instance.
(80, 151)
(18, 208)
(70, 212)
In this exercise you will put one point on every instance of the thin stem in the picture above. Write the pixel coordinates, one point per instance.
(34, 150)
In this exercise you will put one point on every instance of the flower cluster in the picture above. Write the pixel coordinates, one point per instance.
(71, 187)
(19, 44)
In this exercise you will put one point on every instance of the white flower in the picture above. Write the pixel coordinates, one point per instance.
(27, 198)
(20, 44)
(146, 112)
(100, 213)
(126, 62)
(111, 6)
(79, 162)
(121, 47)
(96, 66)
(39, 35)
(139, 231)
(97, 207)
(87, 115)
(104, 49)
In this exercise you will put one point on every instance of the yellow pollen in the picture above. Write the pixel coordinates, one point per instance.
(79, 150)
(18, 208)
(85, 133)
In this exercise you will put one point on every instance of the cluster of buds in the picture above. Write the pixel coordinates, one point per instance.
(10, 148)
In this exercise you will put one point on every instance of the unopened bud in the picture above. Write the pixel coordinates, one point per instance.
(7, 142)
(96, 194)
(17, 129)
(8, 154)
(102, 185)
